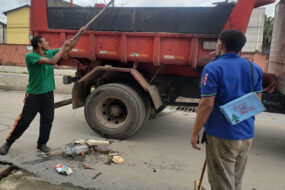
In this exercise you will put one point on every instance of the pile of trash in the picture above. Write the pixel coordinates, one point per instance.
(98, 146)
(83, 147)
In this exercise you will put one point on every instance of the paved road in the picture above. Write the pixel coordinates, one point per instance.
(159, 156)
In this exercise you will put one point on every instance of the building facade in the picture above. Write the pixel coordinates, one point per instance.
(254, 35)
(254, 32)
(18, 22)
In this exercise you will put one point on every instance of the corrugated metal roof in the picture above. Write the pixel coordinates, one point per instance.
(6, 12)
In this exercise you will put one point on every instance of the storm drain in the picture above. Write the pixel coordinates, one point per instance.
(5, 170)
(187, 109)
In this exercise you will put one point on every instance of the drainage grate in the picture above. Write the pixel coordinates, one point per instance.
(187, 109)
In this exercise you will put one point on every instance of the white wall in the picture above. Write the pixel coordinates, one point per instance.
(254, 33)
(2, 33)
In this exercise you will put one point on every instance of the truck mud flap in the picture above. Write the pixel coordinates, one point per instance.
(80, 91)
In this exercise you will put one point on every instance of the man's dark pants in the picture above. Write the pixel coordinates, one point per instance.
(33, 104)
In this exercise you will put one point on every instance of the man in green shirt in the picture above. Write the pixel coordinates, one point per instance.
(39, 94)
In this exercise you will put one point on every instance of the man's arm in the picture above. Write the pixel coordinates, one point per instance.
(72, 45)
(57, 57)
(65, 48)
(205, 108)
(74, 42)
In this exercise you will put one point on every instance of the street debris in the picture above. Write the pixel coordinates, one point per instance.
(96, 175)
(81, 141)
(92, 142)
(118, 160)
(102, 149)
(113, 153)
(113, 157)
(62, 169)
(78, 149)
(75, 148)
(109, 160)
(82, 147)
(88, 167)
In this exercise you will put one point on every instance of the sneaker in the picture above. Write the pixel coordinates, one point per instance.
(43, 148)
(5, 148)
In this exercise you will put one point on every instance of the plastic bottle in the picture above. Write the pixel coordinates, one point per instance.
(75, 148)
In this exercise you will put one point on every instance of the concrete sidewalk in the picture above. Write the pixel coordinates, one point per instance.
(16, 78)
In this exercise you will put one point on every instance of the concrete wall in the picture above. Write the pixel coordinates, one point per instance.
(13, 54)
(277, 51)
(18, 26)
(16, 78)
(2, 33)
(254, 33)
(259, 58)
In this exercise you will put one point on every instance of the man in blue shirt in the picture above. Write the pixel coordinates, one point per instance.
(223, 80)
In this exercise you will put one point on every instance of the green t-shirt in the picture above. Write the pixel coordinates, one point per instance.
(41, 77)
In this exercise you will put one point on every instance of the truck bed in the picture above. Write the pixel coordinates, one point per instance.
(177, 40)
(191, 20)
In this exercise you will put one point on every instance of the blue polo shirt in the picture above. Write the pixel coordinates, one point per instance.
(227, 78)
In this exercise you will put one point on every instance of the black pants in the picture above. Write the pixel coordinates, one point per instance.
(33, 104)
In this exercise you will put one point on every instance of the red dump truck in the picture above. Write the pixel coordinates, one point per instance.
(134, 61)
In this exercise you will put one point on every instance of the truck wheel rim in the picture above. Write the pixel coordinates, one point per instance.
(111, 112)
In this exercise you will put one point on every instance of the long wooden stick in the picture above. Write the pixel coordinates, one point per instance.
(93, 19)
(202, 174)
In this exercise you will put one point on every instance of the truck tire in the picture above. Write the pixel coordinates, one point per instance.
(146, 99)
(115, 111)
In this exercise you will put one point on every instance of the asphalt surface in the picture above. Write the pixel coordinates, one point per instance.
(159, 156)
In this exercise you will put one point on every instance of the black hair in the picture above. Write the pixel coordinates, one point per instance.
(35, 40)
(234, 40)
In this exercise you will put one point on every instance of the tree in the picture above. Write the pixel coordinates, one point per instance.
(267, 34)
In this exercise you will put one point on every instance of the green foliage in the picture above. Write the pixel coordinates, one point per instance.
(267, 33)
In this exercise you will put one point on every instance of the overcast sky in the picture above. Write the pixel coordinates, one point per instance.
(11, 4)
